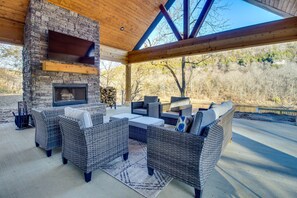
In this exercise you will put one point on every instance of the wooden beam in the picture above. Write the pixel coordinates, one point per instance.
(262, 34)
(186, 18)
(201, 18)
(170, 22)
(70, 68)
(113, 54)
(11, 32)
(128, 84)
(152, 26)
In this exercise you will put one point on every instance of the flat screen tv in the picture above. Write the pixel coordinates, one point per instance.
(65, 48)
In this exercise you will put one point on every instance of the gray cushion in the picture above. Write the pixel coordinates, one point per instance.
(149, 99)
(140, 111)
(124, 115)
(201, 120)
(220, 109)
(143, 122)
(170, 114)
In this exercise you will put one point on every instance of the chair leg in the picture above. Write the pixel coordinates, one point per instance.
(65, 161)
(150, 171)
(125, 156)
(49, 153)
(88, 176)
(36, 144)
(198, 193)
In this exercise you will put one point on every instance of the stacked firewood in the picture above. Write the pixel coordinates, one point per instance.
(109, 96)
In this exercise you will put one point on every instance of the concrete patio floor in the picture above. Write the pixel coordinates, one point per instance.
(260, 162)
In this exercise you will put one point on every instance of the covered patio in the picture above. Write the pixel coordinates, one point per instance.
(260, 162)
(261, 159)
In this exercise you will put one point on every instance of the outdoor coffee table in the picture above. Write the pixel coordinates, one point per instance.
(124, 115)
(138, 127)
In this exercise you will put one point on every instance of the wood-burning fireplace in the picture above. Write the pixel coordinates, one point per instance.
(70, 94)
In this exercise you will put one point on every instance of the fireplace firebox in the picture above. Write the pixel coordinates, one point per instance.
(70, 94)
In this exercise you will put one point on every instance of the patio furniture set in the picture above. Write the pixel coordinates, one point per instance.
(189, 155)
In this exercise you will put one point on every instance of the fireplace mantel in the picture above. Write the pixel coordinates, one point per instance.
(70, 68)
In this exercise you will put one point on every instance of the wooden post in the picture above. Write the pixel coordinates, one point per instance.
(128, 84)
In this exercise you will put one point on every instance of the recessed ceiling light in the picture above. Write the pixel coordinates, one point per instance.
(122, 28)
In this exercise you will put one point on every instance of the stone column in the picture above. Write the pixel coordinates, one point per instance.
(128, 84)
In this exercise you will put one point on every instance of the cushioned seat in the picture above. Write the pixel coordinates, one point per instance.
(124, 115)
(178, 106)
(148, 107)
(143, 122)
(140, 111)
(170, 114)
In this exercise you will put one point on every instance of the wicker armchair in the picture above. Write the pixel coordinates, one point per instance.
(149, 107)
(47, 129)
(90, 148)
(169, 115)
(188, 157)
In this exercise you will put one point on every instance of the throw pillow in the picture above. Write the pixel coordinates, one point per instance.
(183, 123)
(149, 99)
(84, 117)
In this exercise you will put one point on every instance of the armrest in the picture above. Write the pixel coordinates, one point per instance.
(171, 148)
(176, 154)
(153, 109)
(97, 118)
(165, 107)
(136, 105)
(185, 110)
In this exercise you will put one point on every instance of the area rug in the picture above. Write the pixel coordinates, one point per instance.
(133, 172)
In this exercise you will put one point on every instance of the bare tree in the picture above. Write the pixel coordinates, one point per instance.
(213, 23)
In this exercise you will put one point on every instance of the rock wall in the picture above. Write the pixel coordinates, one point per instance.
(37, 84)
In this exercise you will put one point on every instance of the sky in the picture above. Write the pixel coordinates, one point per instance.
(236, 13)
(243, 14)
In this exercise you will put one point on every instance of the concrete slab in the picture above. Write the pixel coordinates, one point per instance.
(260, 162)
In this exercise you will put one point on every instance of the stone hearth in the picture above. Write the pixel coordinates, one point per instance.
(37, 83)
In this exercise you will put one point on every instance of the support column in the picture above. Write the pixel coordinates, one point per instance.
(128, 84)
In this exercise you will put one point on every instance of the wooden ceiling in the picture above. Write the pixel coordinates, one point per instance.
(134, 15)
(285, 8)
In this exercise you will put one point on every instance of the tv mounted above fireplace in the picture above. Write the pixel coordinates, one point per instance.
(65, 48)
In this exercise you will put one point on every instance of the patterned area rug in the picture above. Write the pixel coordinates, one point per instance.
(133, 172)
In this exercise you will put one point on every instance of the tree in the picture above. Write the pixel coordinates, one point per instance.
(163, 34)
(11, 56)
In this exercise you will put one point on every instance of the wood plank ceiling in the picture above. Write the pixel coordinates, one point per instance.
(134, 15)
(286, 8)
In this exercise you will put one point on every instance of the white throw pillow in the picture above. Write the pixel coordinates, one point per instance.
(82, 115)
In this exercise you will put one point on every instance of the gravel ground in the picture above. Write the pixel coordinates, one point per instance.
(8, 104)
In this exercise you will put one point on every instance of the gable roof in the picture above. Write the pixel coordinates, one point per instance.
(134, 15)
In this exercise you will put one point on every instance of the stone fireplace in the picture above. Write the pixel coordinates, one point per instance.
(44, 88)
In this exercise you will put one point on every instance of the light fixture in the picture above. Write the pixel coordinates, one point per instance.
(122, 28)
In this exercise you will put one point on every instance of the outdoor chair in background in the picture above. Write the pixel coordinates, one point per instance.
(149, 107)
(178, 106)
